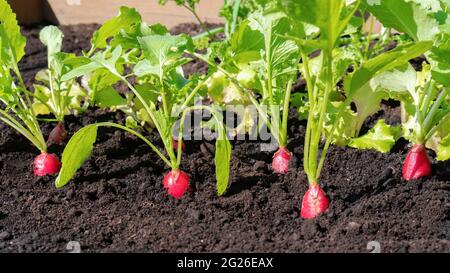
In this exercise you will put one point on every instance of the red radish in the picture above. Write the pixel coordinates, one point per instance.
(280, 162)
(58, 135)
(175, 145)
(417, 164)
(176, 183)
(46, 164)
(314, 202)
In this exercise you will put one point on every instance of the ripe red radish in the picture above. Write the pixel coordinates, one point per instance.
(176, 183)
(46, 164)
(281, 159)
(314, 202)
(417, 164)
(175, 145)
(58, 135)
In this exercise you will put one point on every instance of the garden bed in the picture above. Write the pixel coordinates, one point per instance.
(117, 203)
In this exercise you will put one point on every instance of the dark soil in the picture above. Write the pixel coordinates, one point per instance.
(117, 203)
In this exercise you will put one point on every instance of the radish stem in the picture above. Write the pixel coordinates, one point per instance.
(284, 124)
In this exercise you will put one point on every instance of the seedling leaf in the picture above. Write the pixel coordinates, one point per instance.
(52, 38)
(125, 20)
(381, 137)
(12, 41)
(77, 151)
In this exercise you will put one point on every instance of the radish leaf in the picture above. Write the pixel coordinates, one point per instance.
(381, 137)
(331, 17)
(222, 156)
(77, 151)
(81, 71)
(127, 18)
(11, 40)
(440, 61)
(383, 63)
(222, 161)
(52, 38)
(108, 97)
(404, 16)
(162, 54)
(443, 150)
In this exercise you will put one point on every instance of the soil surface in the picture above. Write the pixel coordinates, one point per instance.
(117, 202)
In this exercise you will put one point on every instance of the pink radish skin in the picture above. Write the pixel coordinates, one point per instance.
(281, 159)
(176, 183)
(417, 164)
(58, 135)
(314, 202)
(46, 164)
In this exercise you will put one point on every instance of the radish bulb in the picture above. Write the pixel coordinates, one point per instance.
(417, 164)
(314, 202)
(176, 183)
(280, 162)
(46, 164)
(58, 135)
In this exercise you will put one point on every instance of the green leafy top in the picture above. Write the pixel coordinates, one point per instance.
(405, 16)
(381, 137)
(16, 103)
(12, 41)
(52, 38)
(440, 61)
(331, 17)
(426, 107)
(126, 20)
(162, 54)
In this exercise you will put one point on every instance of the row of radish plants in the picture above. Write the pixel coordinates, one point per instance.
(266, 46)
